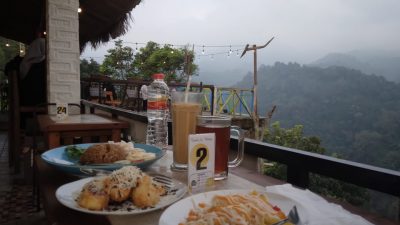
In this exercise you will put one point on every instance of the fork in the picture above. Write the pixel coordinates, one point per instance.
(164, 180)
(292, 217)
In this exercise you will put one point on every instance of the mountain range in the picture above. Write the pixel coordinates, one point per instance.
(354, 114)
(380, 63)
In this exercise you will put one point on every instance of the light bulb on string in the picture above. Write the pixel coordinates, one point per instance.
(202, 52)
(136, 46)
(7, 45)
(230, 49)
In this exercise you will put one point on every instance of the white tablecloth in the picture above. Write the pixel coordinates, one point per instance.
(318, 210)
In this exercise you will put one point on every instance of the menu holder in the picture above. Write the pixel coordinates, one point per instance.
(201, 160)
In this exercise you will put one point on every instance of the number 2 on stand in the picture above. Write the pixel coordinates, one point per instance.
(202, 154)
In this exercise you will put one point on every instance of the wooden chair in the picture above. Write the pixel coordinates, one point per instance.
(37, 148)
(17, 138)
(109, 99)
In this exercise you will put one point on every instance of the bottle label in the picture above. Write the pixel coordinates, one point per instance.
(157, 104)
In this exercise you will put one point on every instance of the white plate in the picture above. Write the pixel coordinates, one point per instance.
(178, 212)
(68, 193)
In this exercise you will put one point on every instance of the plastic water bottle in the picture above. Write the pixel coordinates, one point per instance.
(157, 112)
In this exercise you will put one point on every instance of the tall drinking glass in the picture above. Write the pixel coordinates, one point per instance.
(184, 113)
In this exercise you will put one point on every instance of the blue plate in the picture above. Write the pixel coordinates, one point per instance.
(58, 158)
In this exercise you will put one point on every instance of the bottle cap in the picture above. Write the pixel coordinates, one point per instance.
(158, 76)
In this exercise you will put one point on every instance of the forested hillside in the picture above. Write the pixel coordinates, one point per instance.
(386, 64)
(355, 115)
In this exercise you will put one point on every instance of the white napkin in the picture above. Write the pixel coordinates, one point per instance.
(318, 210)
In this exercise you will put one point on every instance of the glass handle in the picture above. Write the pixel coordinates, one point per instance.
(240, 154)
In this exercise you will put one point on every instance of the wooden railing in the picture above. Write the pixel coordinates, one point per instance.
(301, 163)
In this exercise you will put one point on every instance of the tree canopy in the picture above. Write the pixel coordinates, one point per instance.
(168, 60)
(123, 62)
(118, 62)
(89, 67)
(8, 50)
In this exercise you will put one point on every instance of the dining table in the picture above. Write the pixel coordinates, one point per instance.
(85, 126)
(50, 179)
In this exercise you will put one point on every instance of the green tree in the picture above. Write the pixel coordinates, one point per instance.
(294, 138)
(89, 67)
(8, 50)
(118, 62)
(168, 60)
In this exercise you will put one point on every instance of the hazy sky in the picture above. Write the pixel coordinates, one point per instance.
(304, 30)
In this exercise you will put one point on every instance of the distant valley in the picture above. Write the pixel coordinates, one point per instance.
(355, 115)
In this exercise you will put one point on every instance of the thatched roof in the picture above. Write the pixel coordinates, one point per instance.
(100, 20)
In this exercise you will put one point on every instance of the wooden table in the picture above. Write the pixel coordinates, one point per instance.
(85, 126)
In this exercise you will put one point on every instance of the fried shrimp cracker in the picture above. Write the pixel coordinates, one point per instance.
(146, 194)
(94, 195)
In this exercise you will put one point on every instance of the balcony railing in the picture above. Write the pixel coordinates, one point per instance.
(299, 163)
(216, 100)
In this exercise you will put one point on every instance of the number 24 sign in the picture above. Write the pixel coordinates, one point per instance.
(62, 110)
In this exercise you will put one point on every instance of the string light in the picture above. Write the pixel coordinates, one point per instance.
(79, 10)
(199, 47)
(185, 45)
(7, 45)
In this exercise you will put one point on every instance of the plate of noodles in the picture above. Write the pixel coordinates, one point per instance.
(125, 191)
(106, 156)
(223, 206)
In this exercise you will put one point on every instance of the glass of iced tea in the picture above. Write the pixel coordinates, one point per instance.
(184, 113)
(221, 126)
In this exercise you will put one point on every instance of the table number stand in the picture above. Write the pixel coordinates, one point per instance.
(201, 160)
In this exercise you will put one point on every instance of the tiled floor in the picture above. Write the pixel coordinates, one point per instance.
(16, 200)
